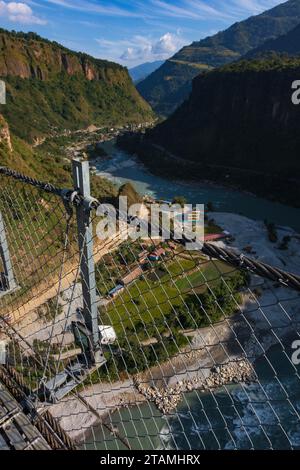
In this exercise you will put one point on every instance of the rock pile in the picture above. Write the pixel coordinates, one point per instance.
(167, 399)
(232, 372)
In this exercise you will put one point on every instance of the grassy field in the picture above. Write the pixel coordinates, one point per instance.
(185, 291)
(147, 300)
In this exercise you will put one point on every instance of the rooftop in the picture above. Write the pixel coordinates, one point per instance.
(137, 272)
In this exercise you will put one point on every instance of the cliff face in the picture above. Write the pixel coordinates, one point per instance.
(56, 88)
(29, 56)
(240, 116)
(165, 91)
(5, 140)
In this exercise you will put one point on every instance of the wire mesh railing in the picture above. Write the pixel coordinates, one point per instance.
(144, 344)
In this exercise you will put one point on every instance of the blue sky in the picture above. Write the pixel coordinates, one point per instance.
(128, 32)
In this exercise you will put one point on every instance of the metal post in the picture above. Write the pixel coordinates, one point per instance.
(9, 280)
(81, 177)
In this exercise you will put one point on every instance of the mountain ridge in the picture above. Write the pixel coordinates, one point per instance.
(169, 86)
(140, 72)
(58, 89)
(288, 43)
(239, 127)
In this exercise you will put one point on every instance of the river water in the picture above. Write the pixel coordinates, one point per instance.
(122, 167)
(260, 416)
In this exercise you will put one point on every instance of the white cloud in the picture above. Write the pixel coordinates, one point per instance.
(240, 8)
(256, 6)
(174, 10)
(145, 49)
(208, 9)
(140, 49)
(129, 54)
(91, 7)
(167, 44)
(19, 12)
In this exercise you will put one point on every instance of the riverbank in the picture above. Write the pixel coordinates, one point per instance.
(105, 398)
(272, 186)
(266, 317)
(121, 167)
(168, 398)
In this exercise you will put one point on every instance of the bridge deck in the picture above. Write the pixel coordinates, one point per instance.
(16, 430)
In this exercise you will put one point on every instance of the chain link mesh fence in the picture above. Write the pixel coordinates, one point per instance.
(196, 347)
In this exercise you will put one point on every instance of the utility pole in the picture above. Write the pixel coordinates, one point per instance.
(81, 178)
(7, 279)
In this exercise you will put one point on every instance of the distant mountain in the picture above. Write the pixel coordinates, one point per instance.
(287, 44)
(51, 88)
(170, 84)
(140, 72)
(238, 127)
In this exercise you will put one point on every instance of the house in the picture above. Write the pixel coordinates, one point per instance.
(116, 291)
(132, 276)
(157, 254)
(143, 255)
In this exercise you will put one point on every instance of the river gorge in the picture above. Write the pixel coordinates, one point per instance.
(240, 415)
(120, 167)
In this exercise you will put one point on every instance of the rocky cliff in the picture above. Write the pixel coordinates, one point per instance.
(56, 88)
(239, 126)
(5, 140)
(30, 56)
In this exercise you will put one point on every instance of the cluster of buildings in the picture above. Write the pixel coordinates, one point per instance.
(154, 256)
(143, 257)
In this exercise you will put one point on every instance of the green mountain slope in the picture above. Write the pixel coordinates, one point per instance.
(238, 127)
(50, 88)
(170, 85)
(46, 162)
(287, 44)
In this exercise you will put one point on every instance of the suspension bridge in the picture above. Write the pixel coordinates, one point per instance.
(118, 343)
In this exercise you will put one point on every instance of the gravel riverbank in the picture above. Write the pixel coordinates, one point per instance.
(167, 399)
